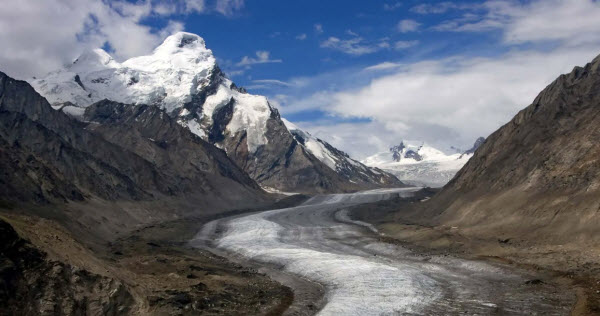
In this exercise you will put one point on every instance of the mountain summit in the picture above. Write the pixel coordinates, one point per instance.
(421, 164)
(181, 77)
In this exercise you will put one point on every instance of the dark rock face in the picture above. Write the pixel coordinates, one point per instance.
(123, 152)
(30, 284)
(539, 173)
(282, 163)
(476, 145)
(398, 152)
(413, 155)
(285, 164)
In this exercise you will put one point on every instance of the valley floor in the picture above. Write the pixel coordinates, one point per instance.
(150, 271)
(362, 273)
(566, 266)
(330, 255)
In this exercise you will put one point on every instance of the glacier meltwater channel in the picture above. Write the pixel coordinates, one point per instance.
(363, 276)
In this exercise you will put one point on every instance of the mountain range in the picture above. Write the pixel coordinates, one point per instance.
(181, 78)
(420, 164)
(109, 168)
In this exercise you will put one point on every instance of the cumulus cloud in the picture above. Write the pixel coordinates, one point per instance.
(444, 102)
(301, 37)
(470, 97)
(452, 101)
(40, 36)
(572, 22)
(405, 26)
(262, 57)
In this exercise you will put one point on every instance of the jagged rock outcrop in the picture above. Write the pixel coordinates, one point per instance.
(31, 284)
(478, 142)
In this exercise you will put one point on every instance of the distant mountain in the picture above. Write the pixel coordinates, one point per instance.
(537, 178)
(420, 164)
(351, 170)
(182, 78)
(477, 144)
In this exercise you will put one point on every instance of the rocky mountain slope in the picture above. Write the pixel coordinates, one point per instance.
(31, 284)
(50, 158)
(182, 77)
(417, 163)
(80, 194)
(537, 178)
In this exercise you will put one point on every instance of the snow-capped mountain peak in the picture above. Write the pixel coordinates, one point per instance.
(181, 41)
(93, 59)
(335, 159)
(177, 69)
(419, 163)
(181, 76)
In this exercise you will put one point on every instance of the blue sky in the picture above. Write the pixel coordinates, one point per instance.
(295, 36)
(363, 75)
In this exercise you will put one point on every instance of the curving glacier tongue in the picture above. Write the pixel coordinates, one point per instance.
(363, 275)
(357, 283)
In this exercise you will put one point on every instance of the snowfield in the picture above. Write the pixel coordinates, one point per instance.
(434, 169)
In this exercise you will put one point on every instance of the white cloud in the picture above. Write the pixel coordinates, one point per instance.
(272, 82)
(194, 5)
(392, 6)
(262, 57)
(318, 28)
(572, 22)
(384, 66)
(405, 26)
(354, 46)
(235, 73)
(444, 102)
(442, 7)
(40, 36)
(351, 33)
(301, 37)
(400, 45)
(229, 7)
(470, 22)
(469, 96)
(454, 100)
